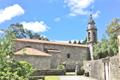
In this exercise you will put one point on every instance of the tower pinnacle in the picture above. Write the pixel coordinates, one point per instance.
(92, 31)
(91, 21)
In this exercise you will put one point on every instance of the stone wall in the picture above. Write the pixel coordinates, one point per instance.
(36, 61)
(77, 53)
(114, 68)
(48, 72)
(96, 68)
(119, 44)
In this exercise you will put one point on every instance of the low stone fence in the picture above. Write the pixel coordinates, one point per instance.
(95, 69)
(48, 72)
(71, 66)
(103, 69)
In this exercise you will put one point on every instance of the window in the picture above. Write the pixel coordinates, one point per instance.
(88, 36)
(94, 36)
(68, 55)
(45, 50)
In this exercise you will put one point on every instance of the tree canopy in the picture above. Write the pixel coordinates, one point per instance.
(9, 68)
(113, 26)
(108, 46)
(21, 32)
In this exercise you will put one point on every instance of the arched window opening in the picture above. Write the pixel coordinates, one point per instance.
(88, 36)
(68, 55)
(94, 36)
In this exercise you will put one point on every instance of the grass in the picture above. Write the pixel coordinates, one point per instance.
(51, 78)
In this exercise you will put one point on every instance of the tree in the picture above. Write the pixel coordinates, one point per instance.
(113, 26)
(79, 42)
(101, 49)
(74, 42)
(85, 41)
(20, 32)
(108, 46)
(112, 36)
(70, 42)
(9, 68)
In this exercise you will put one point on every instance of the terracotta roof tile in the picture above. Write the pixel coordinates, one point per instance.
(31, 51)
(49, 42)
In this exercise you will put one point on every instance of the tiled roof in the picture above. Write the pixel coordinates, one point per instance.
(31, 51)
(49, 42)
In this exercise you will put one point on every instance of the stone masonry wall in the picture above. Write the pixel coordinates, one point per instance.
(77, 54)
(37, 62)
(96, 68)
(114, 68)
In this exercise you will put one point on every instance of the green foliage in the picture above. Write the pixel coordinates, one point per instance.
(81, 71)
(20, 32)
(75, 42)
(108, 46)
(113, 26)
(9, 68)
(101, 49)
(26, 69)
(60, 67)
(69, 42)
(85, 41)
(6, 44)
(79, 42)
(13, 70)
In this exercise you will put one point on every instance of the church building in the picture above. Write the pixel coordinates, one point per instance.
(48, 54)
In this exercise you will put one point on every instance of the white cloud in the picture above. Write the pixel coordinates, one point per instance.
(57, 19)
(35, 26)
(78, 7)
(1, 31)
(9, 12)
(96, 14)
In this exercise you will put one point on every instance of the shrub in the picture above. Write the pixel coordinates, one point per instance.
(9, 68)
(61, 67)
(81, 71)
(14, 70)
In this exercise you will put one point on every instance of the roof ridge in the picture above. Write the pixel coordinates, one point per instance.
(31, 51)
(51, 42)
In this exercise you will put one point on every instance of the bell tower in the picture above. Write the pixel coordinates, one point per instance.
(92, 31)
(91, 35)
